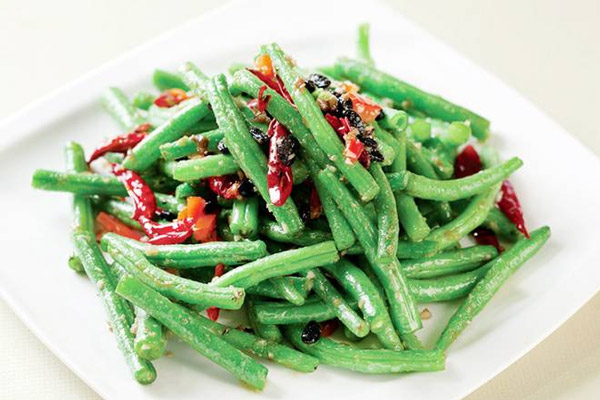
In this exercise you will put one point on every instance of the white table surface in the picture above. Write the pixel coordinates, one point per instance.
(547, 49)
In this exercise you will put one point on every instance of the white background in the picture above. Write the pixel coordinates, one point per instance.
(548, 50)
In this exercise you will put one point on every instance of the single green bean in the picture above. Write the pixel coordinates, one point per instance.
(202, 167)
(143, 100)
(145, 153)
(244, 217)
(372, 305)
(186, 290)
(368, 361)
(190, 145)
(322, 132)
(307, 237)
(449, 262)
(314, 309)
(455, 189)
(268, 289)
(164, 80)
(185, 256)
(190, 328)
(500, 269)
(120, 209)
(384, 85)
(334, 300)
(117, 104)
(247, 153)
(387, 216)
(363, 49)
(280, 264)
(267, 332)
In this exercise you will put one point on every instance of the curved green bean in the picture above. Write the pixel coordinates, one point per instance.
(500, 269)
(449, 262)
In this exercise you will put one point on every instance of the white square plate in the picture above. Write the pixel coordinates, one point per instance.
(559, 185)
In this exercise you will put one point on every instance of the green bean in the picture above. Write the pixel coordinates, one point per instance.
(419, 130)
(372, 305)
(143, 100)
(342, 233)
(342, 310)
(145, 153)
(185, 256)
(79, 183)
(307, 237)
(288, 291)
(118, 312)
(75, 161)
(117, 104)
(267, 332)
(445, 288)
(268, 289)
(247, 153)
(314, 309)
(190, 145)
(164, 80)
(190, 328)
(500, 269)
(387, 216)
(280, 264)
(363, 49)
(442, 166)
(404, 311)
(202, 167)
(449, 262)
(150, 340)
(394, 119)
(168, 284)
(407, 211)
(322, 132)
(502, 226)
(75, 264)
(455, 189)
(469, 219)
(368, 361)
(384, 85)
(157, 116)
(244, 217)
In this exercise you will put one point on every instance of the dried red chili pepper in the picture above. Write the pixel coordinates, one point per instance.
(171, 98)
(511, 207)
(172, 233)
(225, 186)
(213, 312)
(467, 162)
(279, 175)
(262, 101)
(354, 149)
(329, 327)
(121, 143)
(274, 82)
(485, 237)
(142, 196)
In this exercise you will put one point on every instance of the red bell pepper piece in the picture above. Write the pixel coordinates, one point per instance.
(143, 197)
(511, 207)
(213, 312)
(279, 175)
(121, 143)
(108, 223)
(365, 108)
(170, 98)
(205, 228)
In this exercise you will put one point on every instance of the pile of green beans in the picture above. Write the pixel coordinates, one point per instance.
(380, 220)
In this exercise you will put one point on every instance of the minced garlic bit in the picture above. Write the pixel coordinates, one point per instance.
(425, 314)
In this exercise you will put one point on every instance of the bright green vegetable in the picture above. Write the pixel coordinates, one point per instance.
(280, 264)
(334, 300)
(143, 100)
(384, 85)
(120, 209)
(367, 361)
(500, 269)
(404, 311)
(273, 231)
(388, 228)
(247, 153)
(147, 152)
(117, 104)
(202, 167)
(267, 332)
(164, 80)
(268, 289)
(362, 44)
(455, 189)
(190, 328)
(371, 304)
(244, 217)
(322, 132)
(449, 262)
(168, 284)
(190, 145)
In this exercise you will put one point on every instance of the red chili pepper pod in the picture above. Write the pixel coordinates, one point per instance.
(142, 196)
(274, 82)
(467, 162)
(121, 143)
(172, 233)
(213, 312)
(279, 175)
(486, 237)
(511, 207)
(262, 101)
(225, 186)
